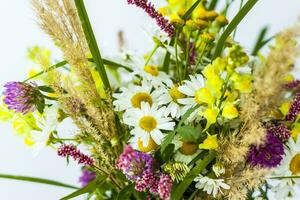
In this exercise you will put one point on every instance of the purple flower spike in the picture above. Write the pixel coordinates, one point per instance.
(86, 177)
(70, 150)
(292, 85)
(267, 155)
(162, 22)
(22, 97)
(281, 132)
(295, 109)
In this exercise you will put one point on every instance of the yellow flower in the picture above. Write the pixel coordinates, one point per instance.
(242, 83)
(20, 126)
(288, 78)
(28, 141)
(203, 95)
(32, 72)
(230, 111)
(296, 130)
(163, 11)
(99, 84)
(176, 20)
(5, 114)
(151, 146)
(210, 143)
(285, 107)
(210, 114)
(214, 84)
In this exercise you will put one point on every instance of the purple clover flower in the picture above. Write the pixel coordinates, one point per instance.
(148, 7)
(165, 184)
(86, 177)
(294, 109)
(140, 168)
(267, 155)
(70, 150)
(22, 97)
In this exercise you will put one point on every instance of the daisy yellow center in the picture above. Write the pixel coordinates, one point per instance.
(188, 148)
(140, 97)
(151, 146)
(175, 94)
(150, 69)
(148, 123)
(295, 164)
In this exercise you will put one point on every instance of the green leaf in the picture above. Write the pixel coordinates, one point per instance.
(232, 25)
(37, 180)
(91, 40)
(212, 4)
(178, 191)
(188, 14)
(45, 88)
(40, 105)
(168, 152)
(169, 138)
(126, 192)
(114, 64)
(261, 41)
(87, 189)
(188, 133)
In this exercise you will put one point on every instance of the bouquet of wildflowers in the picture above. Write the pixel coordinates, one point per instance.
(198, 117)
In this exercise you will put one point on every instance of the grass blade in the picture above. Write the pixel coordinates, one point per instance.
(180, 189)
(88, 188)
(233, 24)
(91, 40)
(37, 180)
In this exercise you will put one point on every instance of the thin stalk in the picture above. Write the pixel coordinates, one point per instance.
(151, 54)
(187, 56)
(91, 40)
(283, 177)
(176, 54)
(37, 180)
(235, 30)
(233, 24)
(57, 65)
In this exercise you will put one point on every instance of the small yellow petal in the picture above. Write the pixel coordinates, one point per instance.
(230, 111)
(210, 143)
(296, 130)
(285, 107)
(203, 95)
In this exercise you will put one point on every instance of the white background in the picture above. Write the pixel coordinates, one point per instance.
(18, 32)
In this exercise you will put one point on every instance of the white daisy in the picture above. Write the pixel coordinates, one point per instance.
(48, 123)
(133, 95)
(185, 151)
(190, 89)
(290, 166)
(210, 186)
(148, 121)
(169, 96)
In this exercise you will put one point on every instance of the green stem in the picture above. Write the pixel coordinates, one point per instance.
(188, 14)
(233, 24)
(37, 180)
(63, 63)
(181, 188)
(91, 40)
(176, 54)
(151, 54)
(187, 55)
(57, 65)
